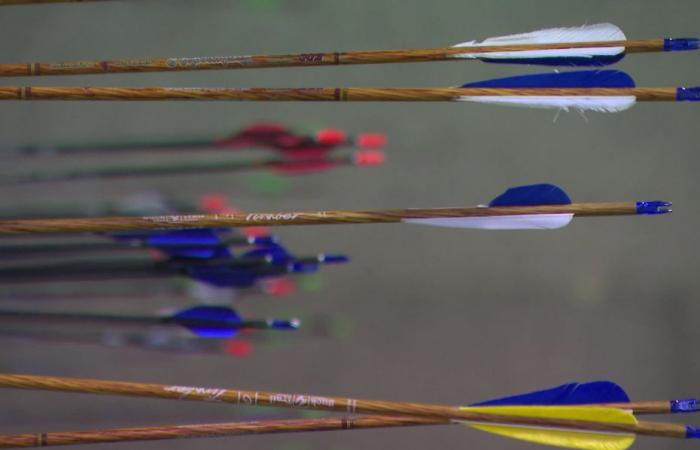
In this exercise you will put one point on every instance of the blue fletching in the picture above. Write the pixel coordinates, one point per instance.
(685, 405)
(190, 252)
(205, 252)
(567, 394)
(226, 317)
(223, 276)
(577, 79)
(681, 44)
(684, 94)
(198, 236)
(572, 61)
(692, 432)
(532, 195)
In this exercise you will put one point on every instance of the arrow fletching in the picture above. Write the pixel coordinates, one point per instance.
(578, 79)
(532, 195)
(560, 437)
(223, 321)
(594, 56)
(595, 392)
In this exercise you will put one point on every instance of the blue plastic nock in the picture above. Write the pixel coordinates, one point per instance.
(280, 324)
(333, 259)
(654, 207)
(684, 94)
(681, 44)
(692, 432)
(685, 405)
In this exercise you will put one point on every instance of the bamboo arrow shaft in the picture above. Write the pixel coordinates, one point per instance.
(257, 398)
(302, 59)
(28, 93)
(106, 224)
(52, 439)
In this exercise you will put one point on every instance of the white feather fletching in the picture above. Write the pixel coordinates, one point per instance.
(608, 104)
(602, 32)
(515, 222)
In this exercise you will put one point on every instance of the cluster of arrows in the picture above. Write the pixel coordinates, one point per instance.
(297, 154)
(596, 416)
(591, 45)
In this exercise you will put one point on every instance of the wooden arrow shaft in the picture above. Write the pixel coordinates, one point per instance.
(28, 93)
(311, 402)
(302, 59)
(103, 224)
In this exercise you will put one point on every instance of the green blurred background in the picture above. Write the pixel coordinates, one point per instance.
(438, 315)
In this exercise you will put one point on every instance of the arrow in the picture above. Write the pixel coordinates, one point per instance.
(540, 206)
(203, 321)
(265, 135)
(284, 166)
(589, 45)
(52, 439)
(601, 91)
(222, 270)
(130, 242)
(566, 421)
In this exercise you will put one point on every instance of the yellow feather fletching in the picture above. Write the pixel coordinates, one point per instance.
(561, 437)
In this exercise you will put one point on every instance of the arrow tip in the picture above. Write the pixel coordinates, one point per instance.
(654, 207)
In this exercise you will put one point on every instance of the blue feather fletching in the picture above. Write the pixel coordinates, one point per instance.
(572, 61)
(225, 318)
(577, 79)
(567, 394)
(532, 195)
(224, 276)
(199, 236)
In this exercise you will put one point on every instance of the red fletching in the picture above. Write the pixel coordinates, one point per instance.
(213, 203)
(279, 286)
(371, 140)
(256, 135)
(331, 137)
(369, 157)
(238, 347)
(255, 231)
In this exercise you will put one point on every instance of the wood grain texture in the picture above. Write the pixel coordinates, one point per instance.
(312, 402)
(177, 64)
(52, 439)
(103, 224)
(28, 93)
